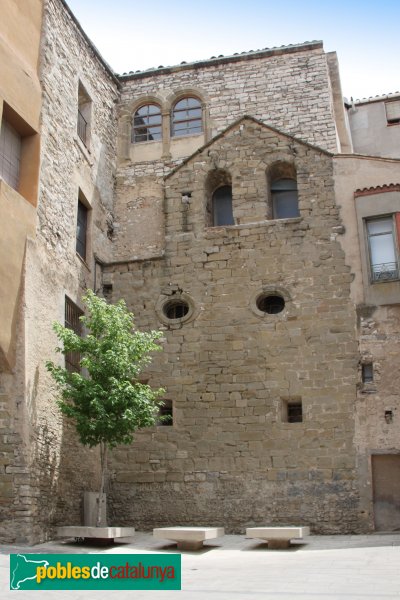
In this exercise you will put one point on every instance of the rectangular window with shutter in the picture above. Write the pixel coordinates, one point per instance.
(393, 112)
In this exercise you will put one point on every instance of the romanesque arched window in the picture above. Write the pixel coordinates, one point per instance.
(186, 117)
(222, 212)
(285, 202)
(147, 124)
(283, 191)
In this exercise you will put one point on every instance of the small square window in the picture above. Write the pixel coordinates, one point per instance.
(295, 412)
(367, 373)
(292, 411)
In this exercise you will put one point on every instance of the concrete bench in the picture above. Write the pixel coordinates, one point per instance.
(277, 537)
(95, 533)
(188, 538)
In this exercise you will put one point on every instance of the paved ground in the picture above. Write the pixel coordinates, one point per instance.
(233, 567)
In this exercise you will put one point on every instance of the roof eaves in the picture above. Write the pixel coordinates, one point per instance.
(218, 60)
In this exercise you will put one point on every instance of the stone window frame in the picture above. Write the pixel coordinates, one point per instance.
(271, 290)
(166, 106)
(203, 98)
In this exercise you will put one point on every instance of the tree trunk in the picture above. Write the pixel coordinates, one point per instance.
(103, 460)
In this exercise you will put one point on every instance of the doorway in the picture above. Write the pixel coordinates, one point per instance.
(386, 491)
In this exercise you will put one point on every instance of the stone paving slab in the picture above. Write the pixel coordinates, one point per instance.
(326, 568)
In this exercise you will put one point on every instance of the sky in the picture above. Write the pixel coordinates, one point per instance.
(133, 35)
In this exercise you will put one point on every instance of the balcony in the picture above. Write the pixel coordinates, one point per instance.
(385, 272)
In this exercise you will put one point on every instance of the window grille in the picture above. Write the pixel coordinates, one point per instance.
(10, 154)
(72, 321)
(294, 412)
(82, 127)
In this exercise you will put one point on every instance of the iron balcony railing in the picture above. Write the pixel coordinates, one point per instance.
(82, 127)
(385, 271)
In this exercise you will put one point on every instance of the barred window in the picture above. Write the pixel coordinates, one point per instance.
(187, 117)
(72, 321)
(10, 154)
(147, 124)
(84, 115)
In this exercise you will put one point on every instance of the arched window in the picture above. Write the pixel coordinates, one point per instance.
(187, 117)
(147, 124)
(285, 202)
(222, 213)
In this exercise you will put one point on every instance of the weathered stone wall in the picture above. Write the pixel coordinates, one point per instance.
(288, 89)
(230, 458)
(54, 471)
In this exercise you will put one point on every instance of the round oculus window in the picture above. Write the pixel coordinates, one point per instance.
(175, 309)
(271, 304)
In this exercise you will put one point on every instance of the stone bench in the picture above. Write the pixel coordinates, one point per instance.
(188, 538)
(101, 534)
(277, 537)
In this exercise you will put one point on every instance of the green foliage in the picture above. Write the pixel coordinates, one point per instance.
(106, 401)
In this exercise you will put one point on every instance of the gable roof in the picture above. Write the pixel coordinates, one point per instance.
(235, 124)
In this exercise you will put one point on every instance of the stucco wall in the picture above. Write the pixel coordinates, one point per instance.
(370, 131)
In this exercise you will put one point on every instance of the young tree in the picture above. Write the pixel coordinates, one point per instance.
(105, 399)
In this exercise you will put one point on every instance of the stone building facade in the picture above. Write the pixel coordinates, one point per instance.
(232, 205)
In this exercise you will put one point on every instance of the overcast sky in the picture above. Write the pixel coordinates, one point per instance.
(134, 35)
